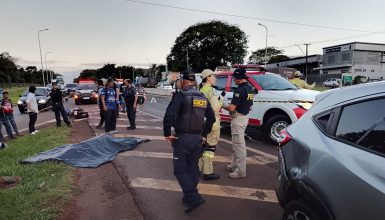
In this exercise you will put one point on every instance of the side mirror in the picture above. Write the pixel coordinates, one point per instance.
(255, 91)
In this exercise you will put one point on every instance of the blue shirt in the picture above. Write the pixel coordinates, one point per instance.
(110, 97)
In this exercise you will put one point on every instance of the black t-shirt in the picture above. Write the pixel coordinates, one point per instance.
(56, 96)
(243, 98)
(129, 95)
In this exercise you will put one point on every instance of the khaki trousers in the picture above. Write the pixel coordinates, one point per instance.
(206, 161)
(238, 127)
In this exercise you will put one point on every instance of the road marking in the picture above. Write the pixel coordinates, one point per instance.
(140, 136)
(141, 127)
(162, 155)
(263, 195)
(126, 119)
(153, 100)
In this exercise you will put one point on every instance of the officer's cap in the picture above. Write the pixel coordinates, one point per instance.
(188, 75)
(240, 73)
(297, 74)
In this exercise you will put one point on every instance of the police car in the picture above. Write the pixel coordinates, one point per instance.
(277, 103)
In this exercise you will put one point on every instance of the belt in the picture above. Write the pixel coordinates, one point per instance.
(236, 114)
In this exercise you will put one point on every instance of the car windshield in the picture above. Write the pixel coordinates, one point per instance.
(71, 85)
(86, 86)
(39, 92)
(273, 82)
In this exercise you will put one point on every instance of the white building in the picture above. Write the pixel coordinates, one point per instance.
(355, 59)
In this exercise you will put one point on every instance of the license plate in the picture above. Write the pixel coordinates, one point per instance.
(86, 97)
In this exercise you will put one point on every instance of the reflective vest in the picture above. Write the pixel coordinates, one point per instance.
(191, 116)
(214, 100)
(301, 84)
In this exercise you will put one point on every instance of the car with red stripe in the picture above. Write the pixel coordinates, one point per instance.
(277, 102)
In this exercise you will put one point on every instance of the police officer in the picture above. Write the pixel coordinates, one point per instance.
(239, 109)
(187, 115)
(57, 105)
(131, 100)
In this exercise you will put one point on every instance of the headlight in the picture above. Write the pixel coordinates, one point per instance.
(304, 105)
(19, 102)
(42, 101)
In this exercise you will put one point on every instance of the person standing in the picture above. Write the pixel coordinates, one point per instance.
(109, 102)
(187, 114)
(32, 109)
(206, 161)
(4, 121)
(239, 109)
(99, 89)
(8, 112)
(141, 95)
(131, 100)
(57, 105)
(299, 83)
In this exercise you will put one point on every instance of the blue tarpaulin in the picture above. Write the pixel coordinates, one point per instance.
(90, 153)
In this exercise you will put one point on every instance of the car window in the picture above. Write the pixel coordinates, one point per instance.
(273, 82)
(233, 86)
(322, 120)
(363, 124)
(221, 83)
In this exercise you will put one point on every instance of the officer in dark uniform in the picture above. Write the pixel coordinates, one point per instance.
(239, 109)
(187, 114)
(57, 105)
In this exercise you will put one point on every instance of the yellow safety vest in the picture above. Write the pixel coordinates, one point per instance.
(215, 103)
(301, 84)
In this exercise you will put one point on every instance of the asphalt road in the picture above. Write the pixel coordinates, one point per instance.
(43, 118)
(149, 173)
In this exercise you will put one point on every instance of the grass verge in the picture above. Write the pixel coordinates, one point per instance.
(321, 88)
(44, 187)
(14, 93)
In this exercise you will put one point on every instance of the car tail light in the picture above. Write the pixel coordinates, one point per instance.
(284, 138)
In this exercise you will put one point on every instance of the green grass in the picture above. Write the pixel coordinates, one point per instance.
(14, 93)
(29, 200)
(321, 88)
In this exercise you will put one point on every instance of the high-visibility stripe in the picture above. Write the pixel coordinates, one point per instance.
(263, 195)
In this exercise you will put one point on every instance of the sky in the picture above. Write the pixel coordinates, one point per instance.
(89, 33)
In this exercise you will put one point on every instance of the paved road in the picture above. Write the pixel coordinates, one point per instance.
(148, 171)
(44, 117)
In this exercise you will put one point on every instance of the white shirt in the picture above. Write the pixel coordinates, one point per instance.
(32, 100)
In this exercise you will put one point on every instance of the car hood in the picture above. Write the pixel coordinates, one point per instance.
(85, 91)
(24, 98)
(297, 95)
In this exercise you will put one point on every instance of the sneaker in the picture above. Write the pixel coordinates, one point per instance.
(131, 128)
(236, 175)
(37, 131)
(113, 132)
(230, 168)
(212, 176)
(33, 133)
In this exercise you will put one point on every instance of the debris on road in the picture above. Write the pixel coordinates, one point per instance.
(9, 181)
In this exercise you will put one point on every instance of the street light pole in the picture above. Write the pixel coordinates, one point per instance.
(307, 54)
(41, 56)
(267, 34)
(46, 67)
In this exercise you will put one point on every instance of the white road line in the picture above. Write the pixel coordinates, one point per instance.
(126, 119)
(138, 126)
(140, 136)
(209, 189)
(217, 158)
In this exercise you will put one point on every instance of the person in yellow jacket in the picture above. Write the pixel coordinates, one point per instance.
(301, 84)
(206, 161)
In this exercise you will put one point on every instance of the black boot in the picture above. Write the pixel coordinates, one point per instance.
(212, 176)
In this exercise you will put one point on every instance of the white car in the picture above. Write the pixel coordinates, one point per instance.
(165, 86)
(332, 82)
(277, 102)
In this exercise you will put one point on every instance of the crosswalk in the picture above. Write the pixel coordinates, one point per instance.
(158, 150)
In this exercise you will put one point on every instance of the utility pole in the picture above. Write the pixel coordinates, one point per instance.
(41, 56)
(267, 34)
(46, 67)
(307, 54)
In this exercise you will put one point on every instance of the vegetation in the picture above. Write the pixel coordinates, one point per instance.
(11, 73)
(209, 45)
(273, 55)
(44, 187)
(15, 92)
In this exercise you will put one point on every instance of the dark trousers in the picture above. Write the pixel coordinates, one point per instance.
(110, 119)
(4, 121)
(101, 113)
(59, 110)
(187, 151)
(131, 114)
(32, 121)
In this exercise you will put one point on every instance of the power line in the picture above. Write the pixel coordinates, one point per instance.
(248, 17)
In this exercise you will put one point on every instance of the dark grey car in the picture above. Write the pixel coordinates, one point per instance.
(332, 163)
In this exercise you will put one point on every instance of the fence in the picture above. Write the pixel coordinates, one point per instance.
(319, 79)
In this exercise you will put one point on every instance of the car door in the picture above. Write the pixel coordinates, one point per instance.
(357, 188)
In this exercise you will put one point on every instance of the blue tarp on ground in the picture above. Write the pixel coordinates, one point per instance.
(90, 153)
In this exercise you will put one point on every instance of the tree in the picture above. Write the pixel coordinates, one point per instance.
(209, 45)
(125, 72)
(273, 55)
(107, 71)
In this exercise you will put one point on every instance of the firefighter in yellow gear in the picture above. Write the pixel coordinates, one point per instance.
(301, 84)
(206, 161)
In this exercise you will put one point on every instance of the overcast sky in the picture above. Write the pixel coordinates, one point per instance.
(88, 33)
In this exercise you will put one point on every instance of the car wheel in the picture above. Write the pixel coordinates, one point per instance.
(274, 126)
(299, 210)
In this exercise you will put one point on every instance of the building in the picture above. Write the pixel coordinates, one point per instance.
(299, 63)
(354, 59)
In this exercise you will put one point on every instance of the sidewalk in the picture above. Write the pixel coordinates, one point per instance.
(149, 172)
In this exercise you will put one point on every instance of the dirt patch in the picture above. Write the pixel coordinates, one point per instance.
(9, 181)
(99, 193)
